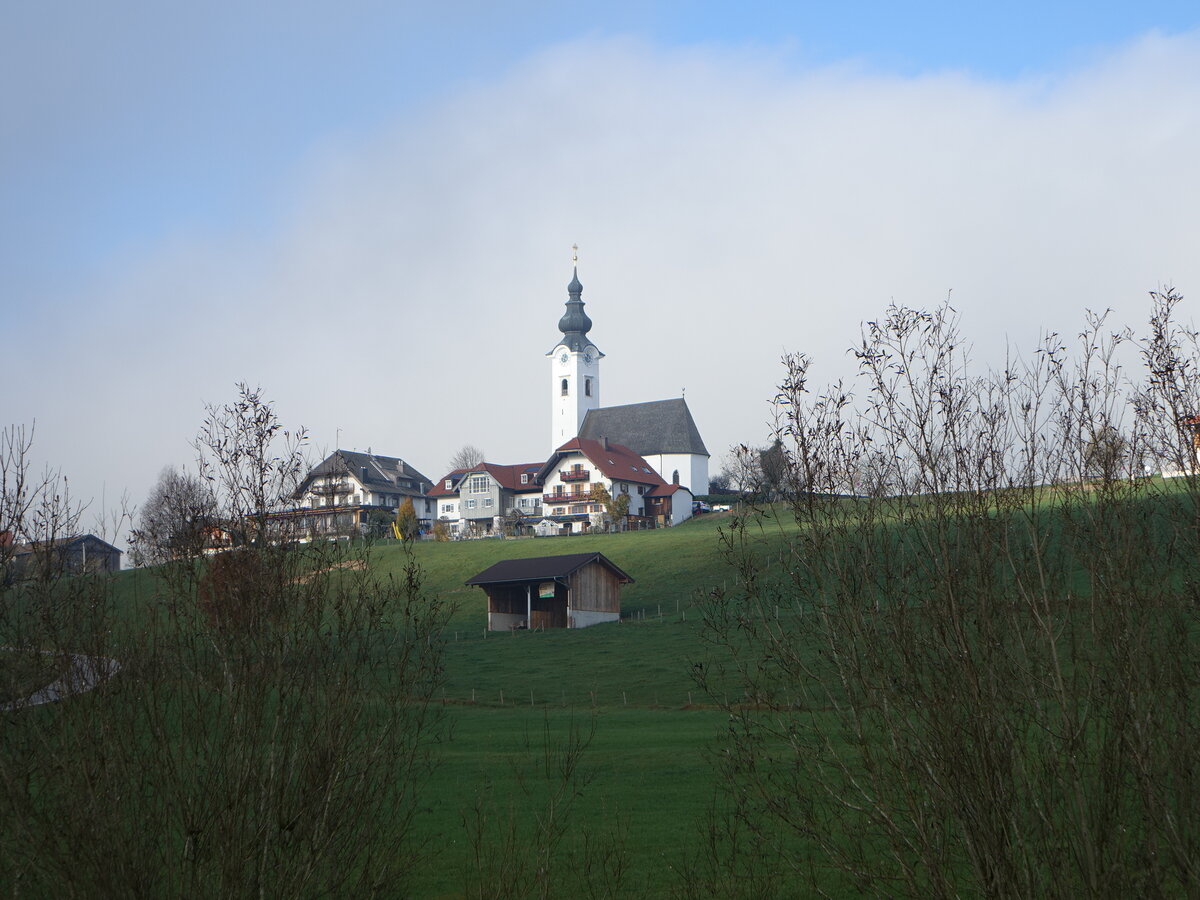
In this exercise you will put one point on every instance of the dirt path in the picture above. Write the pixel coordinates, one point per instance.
(83, 674)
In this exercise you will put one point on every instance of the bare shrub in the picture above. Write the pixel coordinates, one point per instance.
(972, 670)
(270, 728)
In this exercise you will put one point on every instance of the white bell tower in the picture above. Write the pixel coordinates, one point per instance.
(574, 367)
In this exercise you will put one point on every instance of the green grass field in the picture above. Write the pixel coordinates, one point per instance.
(505, 691)
(508, 697)
(509, 703)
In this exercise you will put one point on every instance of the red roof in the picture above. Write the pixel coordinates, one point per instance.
(615, 461)
(439, 486)
(508, 477)
(666, 490)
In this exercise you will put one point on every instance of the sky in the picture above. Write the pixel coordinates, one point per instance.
(368, 211)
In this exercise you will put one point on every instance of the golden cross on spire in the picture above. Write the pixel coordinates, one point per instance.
(574, 254)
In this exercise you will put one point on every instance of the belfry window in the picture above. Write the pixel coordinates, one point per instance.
(564, 387)
(675, 477)
(587, 387)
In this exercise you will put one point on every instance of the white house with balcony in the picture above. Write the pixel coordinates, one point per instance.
(348, 492)
(575, 468)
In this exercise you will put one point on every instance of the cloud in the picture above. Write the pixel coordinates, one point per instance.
(728, 208)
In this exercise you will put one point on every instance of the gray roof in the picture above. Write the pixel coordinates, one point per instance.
(538, 568)
(28, 547)
(382, 473)
(660, 426)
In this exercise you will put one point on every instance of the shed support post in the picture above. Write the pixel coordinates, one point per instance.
(529, 607)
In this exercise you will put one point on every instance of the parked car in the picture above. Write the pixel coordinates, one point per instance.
(699, 506)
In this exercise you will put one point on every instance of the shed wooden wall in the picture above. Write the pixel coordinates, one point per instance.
(595, 588)
(511, 599)
(506, 598)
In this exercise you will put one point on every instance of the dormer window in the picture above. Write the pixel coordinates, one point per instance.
(449, 484)
(524, 479)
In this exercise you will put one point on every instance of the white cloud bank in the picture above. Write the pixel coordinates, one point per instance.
(727, 208)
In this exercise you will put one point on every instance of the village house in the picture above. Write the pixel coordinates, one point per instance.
(480, 500)
(446, 501)
(669, 504)
(351, 493)
(576, 468)
(76, 555)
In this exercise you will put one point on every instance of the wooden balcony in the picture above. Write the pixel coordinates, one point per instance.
(573, 497)
(575, 475)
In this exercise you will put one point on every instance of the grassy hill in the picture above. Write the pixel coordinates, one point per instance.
(510, 695)
(588, 760)
(512, 706)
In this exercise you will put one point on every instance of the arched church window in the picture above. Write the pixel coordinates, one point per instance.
(564, 387)
(675, 477)
(587, 387)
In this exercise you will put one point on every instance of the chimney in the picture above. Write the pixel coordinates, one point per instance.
(604, 442)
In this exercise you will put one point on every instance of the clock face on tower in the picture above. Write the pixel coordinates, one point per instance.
(563, 357)
(587, 356)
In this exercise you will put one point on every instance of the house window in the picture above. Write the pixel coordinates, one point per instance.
(564, 387)
(524, 479)
(447, 507)
(487, 502)
(449, 484)
(587, 387)
(479, 484)
(558, 510)
(471, 503)
(641, 489)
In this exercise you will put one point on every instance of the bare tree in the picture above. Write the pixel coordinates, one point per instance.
(467, 457)
(36, 509)
(722, 482)
(173, 521)
(745, 472)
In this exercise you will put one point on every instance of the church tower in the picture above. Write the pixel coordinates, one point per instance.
(574, 368)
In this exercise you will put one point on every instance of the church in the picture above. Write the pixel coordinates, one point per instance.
(662, 432)
(649, 458)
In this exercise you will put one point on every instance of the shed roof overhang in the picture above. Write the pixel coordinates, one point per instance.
(544, 568)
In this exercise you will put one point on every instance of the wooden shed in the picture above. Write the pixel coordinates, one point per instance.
(570, 591)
